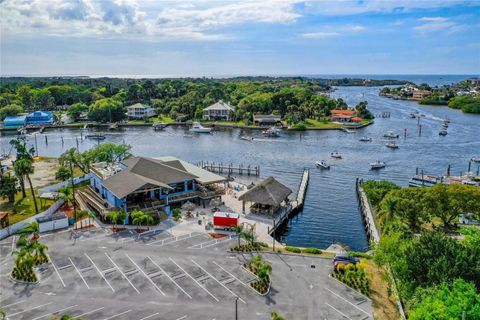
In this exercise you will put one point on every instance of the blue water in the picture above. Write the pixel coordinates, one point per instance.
(331, 213)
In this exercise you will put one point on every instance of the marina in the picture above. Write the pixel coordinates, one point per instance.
(331, 193)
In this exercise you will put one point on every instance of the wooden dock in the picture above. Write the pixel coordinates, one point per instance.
(367, 213)
(230, 168)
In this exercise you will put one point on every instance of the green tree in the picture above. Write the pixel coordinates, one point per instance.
(8, 187)
(116, 217)
(75, 110)
(62, 174)
(10, 110)
(24, 168)
(108, 152)
(276, 316)
(106, 110)
(140, 217)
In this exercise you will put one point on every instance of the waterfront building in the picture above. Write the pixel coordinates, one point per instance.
(139, 111)
(40, 118)
(343, 115)
(420, 94)
(219, 111)
(14, 122)
(266, 119)
(149, 184)
(266, 197)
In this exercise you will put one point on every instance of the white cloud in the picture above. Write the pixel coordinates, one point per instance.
(196, 20)
(319, 35)
(437, 25)
(433, 19)
(357, 28)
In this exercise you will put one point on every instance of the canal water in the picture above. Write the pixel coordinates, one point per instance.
(331, 212)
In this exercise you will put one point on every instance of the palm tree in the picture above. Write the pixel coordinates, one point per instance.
(139, 217)
(8, 187)
(116, 216)
(239, 232)
(32, 227)
(3, 314)
(24, 168)
(91, 215)
(276, 316)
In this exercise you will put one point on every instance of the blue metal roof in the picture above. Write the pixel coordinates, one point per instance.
(13, 120)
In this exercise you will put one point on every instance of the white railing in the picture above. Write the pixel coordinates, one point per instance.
(55, 187)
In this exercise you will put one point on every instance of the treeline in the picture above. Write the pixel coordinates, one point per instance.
(106, 99)
(436, 263)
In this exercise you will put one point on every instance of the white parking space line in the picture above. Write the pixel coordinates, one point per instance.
(232, 275)
(198, 283)
(352, 304)
(181, 318)
(26, 310)
(211, 276)
(212, 242)
(12, 304)
(146, 276)
(78, 271)
(99, 271)
(163, 271)
(51, 313)
(340, 312)
(175, 239)
(13, 243)
(121, 272)
(89, 312)
(148, 317)
(117, 315)
(56, 270)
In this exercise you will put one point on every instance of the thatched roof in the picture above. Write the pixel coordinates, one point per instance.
(269, 192)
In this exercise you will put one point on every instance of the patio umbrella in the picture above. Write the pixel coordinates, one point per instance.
(188, 206)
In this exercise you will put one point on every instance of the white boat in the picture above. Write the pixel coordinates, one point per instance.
(475, 159)
(423, 181)
(391, 134)
(113, 126)
(366, 139)
(391, 145)
(443, 132)
(336, 155)
(323, 164)
(197, 127)
(348, 130)
(247, 138)
(271, 132)
(159, 125)
(377, 165)
(445, 125)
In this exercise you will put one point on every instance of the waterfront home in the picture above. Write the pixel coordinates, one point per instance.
(140, 111)
(420, 94)
(266, 197)
(219, 111)
(344, 116)
(266, 119)
(150, 185)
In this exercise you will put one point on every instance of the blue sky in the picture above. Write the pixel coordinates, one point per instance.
(219, 38)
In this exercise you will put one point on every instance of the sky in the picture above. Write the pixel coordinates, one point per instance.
(224, 38)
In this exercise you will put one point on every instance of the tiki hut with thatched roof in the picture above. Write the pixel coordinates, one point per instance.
(266, 197)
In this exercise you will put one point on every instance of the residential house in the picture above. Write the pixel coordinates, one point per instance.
(219, 111)
(266, 119)
(344, 115)
(420, 94)
(139, 111)
(149, 184)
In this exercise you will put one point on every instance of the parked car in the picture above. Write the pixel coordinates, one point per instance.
(344, 258)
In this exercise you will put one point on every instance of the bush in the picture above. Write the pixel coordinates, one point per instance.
(301, 126)
(312, 251)
(293, 249)
(360, 254)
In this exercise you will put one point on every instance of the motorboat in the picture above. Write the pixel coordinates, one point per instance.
(159, 125)
(247, 138)
(445, 125)
(423, 181)
(336, 155)
(348, 130)
(412, 115)
(365, 139)
(377, 165)
(197, 127)
(323, 164)
(113, 126)
(475, 159)
(271, 132)
(446, 120)
(391, 145)
(391, 134)
(443, 132)
(95, 136)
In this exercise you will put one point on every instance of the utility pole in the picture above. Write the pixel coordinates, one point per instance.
(236, 308)
(73, 195)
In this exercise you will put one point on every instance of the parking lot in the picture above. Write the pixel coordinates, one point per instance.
(157, 275)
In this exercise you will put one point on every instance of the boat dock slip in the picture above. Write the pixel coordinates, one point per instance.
(367, 213)
(229, 168)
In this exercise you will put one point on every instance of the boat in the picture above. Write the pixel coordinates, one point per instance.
(95, 136)
(475, 159)
(336, 155)
(348, 130)
(159, 125)
(365, 139)
(445, 125)
(271, 132)
(323, 164)
(391, 134)
(446, 120)
(377, 165)
(412, 115)
(391, 145)
(197, 127)
(419, 180)
(443, 132)
(113, 126)
(85, 127)
(247, 138)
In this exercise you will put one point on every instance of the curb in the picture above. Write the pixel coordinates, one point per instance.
(269, 283)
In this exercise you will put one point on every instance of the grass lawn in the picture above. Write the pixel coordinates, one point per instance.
(320, 124)
(24, 208)
(237, 123)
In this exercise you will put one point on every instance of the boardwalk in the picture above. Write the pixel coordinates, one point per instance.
(230, 168)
